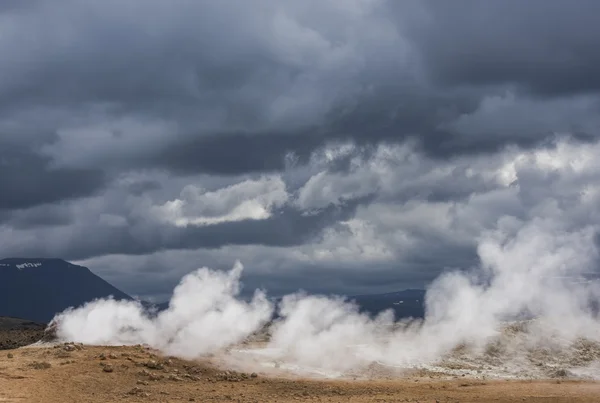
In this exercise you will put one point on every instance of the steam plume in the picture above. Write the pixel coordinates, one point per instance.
(521, 271)
(204, 315)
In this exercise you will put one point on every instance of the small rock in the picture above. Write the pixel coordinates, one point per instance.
(138, 392)
(108, 368)
(112, 356)
(102, 356)
(135, 391)
(9, 355)
(154, 377)
(254, 375)
(153, 365)
(69, 347)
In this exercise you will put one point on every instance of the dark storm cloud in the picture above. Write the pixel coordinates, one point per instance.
(27, 180)
(279, 77)
(40, 216)
(235, 153)
(414, 271)
(548, 47)
(285, 228)
(140, 187)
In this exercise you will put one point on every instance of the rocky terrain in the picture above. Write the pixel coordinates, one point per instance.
(76, 373)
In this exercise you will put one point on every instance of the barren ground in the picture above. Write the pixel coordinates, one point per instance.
(73, 373)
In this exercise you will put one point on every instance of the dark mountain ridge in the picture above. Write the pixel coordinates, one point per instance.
(38, 288)
(408, 303)
(10, 323)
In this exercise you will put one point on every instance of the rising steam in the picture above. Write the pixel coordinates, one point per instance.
(204, 315)
(521, 274)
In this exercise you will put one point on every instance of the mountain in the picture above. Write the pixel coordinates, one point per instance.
(37, 289)
(405, 304)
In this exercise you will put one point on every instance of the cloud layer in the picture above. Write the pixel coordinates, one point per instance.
(347, 146)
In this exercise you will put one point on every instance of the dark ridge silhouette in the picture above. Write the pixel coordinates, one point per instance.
(36, 289)
(10, 323)
(405, 304)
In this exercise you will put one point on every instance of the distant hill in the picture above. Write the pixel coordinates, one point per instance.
(37, 289)
(405, 304)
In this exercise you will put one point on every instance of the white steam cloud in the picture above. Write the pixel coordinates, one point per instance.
(204, 315)
(520, 274)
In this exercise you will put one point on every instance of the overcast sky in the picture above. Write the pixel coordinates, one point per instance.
(347, 146)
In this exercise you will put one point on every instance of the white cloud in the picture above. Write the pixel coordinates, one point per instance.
(247, 200)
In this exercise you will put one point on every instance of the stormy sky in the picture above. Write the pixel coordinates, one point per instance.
(347, 146)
